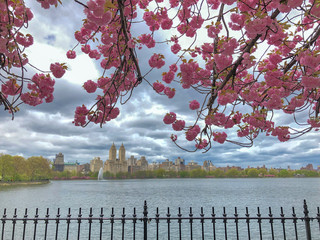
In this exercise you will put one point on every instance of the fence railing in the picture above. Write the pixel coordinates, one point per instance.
(162, 225)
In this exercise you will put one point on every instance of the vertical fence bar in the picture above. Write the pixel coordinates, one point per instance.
(236, 220)
(35, 224)
(134, 223)
(145, 221)
(295, 223)
(248, 223)
(123, 217)
(202, 222)
(101, 222)
(259, 222)
(24, 223)
(68, 223)
(318, 218)
(3, 222)
(225, 223)
(14, 220)
(112, 222)
(79, 223)
(179, 222)
(306, 220)
(168, 222)
(271, 223)
(157, 222)
(57, 223)
(46, 221)
(283, 224)
(190, 221)
(90, 222)
(213, 215)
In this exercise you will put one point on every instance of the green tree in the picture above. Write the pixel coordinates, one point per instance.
(184, 174)
(233, 172)
(285, 173)
(273, 172)
(307, 173)
(253, 173)
(218, 173)
(20, 168)
(6, 167)
(160, 173)
(39, 168)
(263, 172)
(198, 173)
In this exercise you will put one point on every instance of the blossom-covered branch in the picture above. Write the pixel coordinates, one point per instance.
(251, 63)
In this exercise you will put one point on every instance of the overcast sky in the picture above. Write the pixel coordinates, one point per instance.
(47, 129)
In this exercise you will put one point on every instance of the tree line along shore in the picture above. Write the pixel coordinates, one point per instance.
(38, 170)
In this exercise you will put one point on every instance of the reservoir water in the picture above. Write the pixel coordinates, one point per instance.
(263, 192)
(163, 193)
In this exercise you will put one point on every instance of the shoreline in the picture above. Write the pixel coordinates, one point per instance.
(23, 183)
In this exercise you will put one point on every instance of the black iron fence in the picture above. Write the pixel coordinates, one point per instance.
(162, 225)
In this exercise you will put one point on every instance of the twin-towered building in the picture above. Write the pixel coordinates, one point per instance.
(118, 163)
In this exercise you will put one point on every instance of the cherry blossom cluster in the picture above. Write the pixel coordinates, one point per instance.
(15, 84)
(251, 63)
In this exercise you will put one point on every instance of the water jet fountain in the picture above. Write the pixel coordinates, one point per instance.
(100, 174)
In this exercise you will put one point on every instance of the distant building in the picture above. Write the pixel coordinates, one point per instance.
(179, 164)
(83, 168)
(114, 164)
(96, 164)
(142, 164)
(208, 166)
(132, 161)
(308, 167)
(71, 167)
(192, 165)
(58, 162)
(153, 166)
(167, 165)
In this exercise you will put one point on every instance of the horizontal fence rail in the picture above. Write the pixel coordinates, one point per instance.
(161, 225)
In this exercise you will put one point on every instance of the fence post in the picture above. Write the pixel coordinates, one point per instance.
(145, 221)
(306, 219)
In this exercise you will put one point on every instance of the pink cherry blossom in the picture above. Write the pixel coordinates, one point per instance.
(159, 87)
(175, 48)
(57, 70)
(169, 118)
(173, 67)
(156, 61)
(202, 144)
(90, 86)
(194, 104)
(178, 125)
(310, 82)
(71, 54)
(10, 87)
(170, 92)
(192, 133)
(219, 137)
(147, 40)
(168, 77)
(282, 133)
(80, 116)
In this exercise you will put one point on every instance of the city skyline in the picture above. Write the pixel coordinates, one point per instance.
(47, 129)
